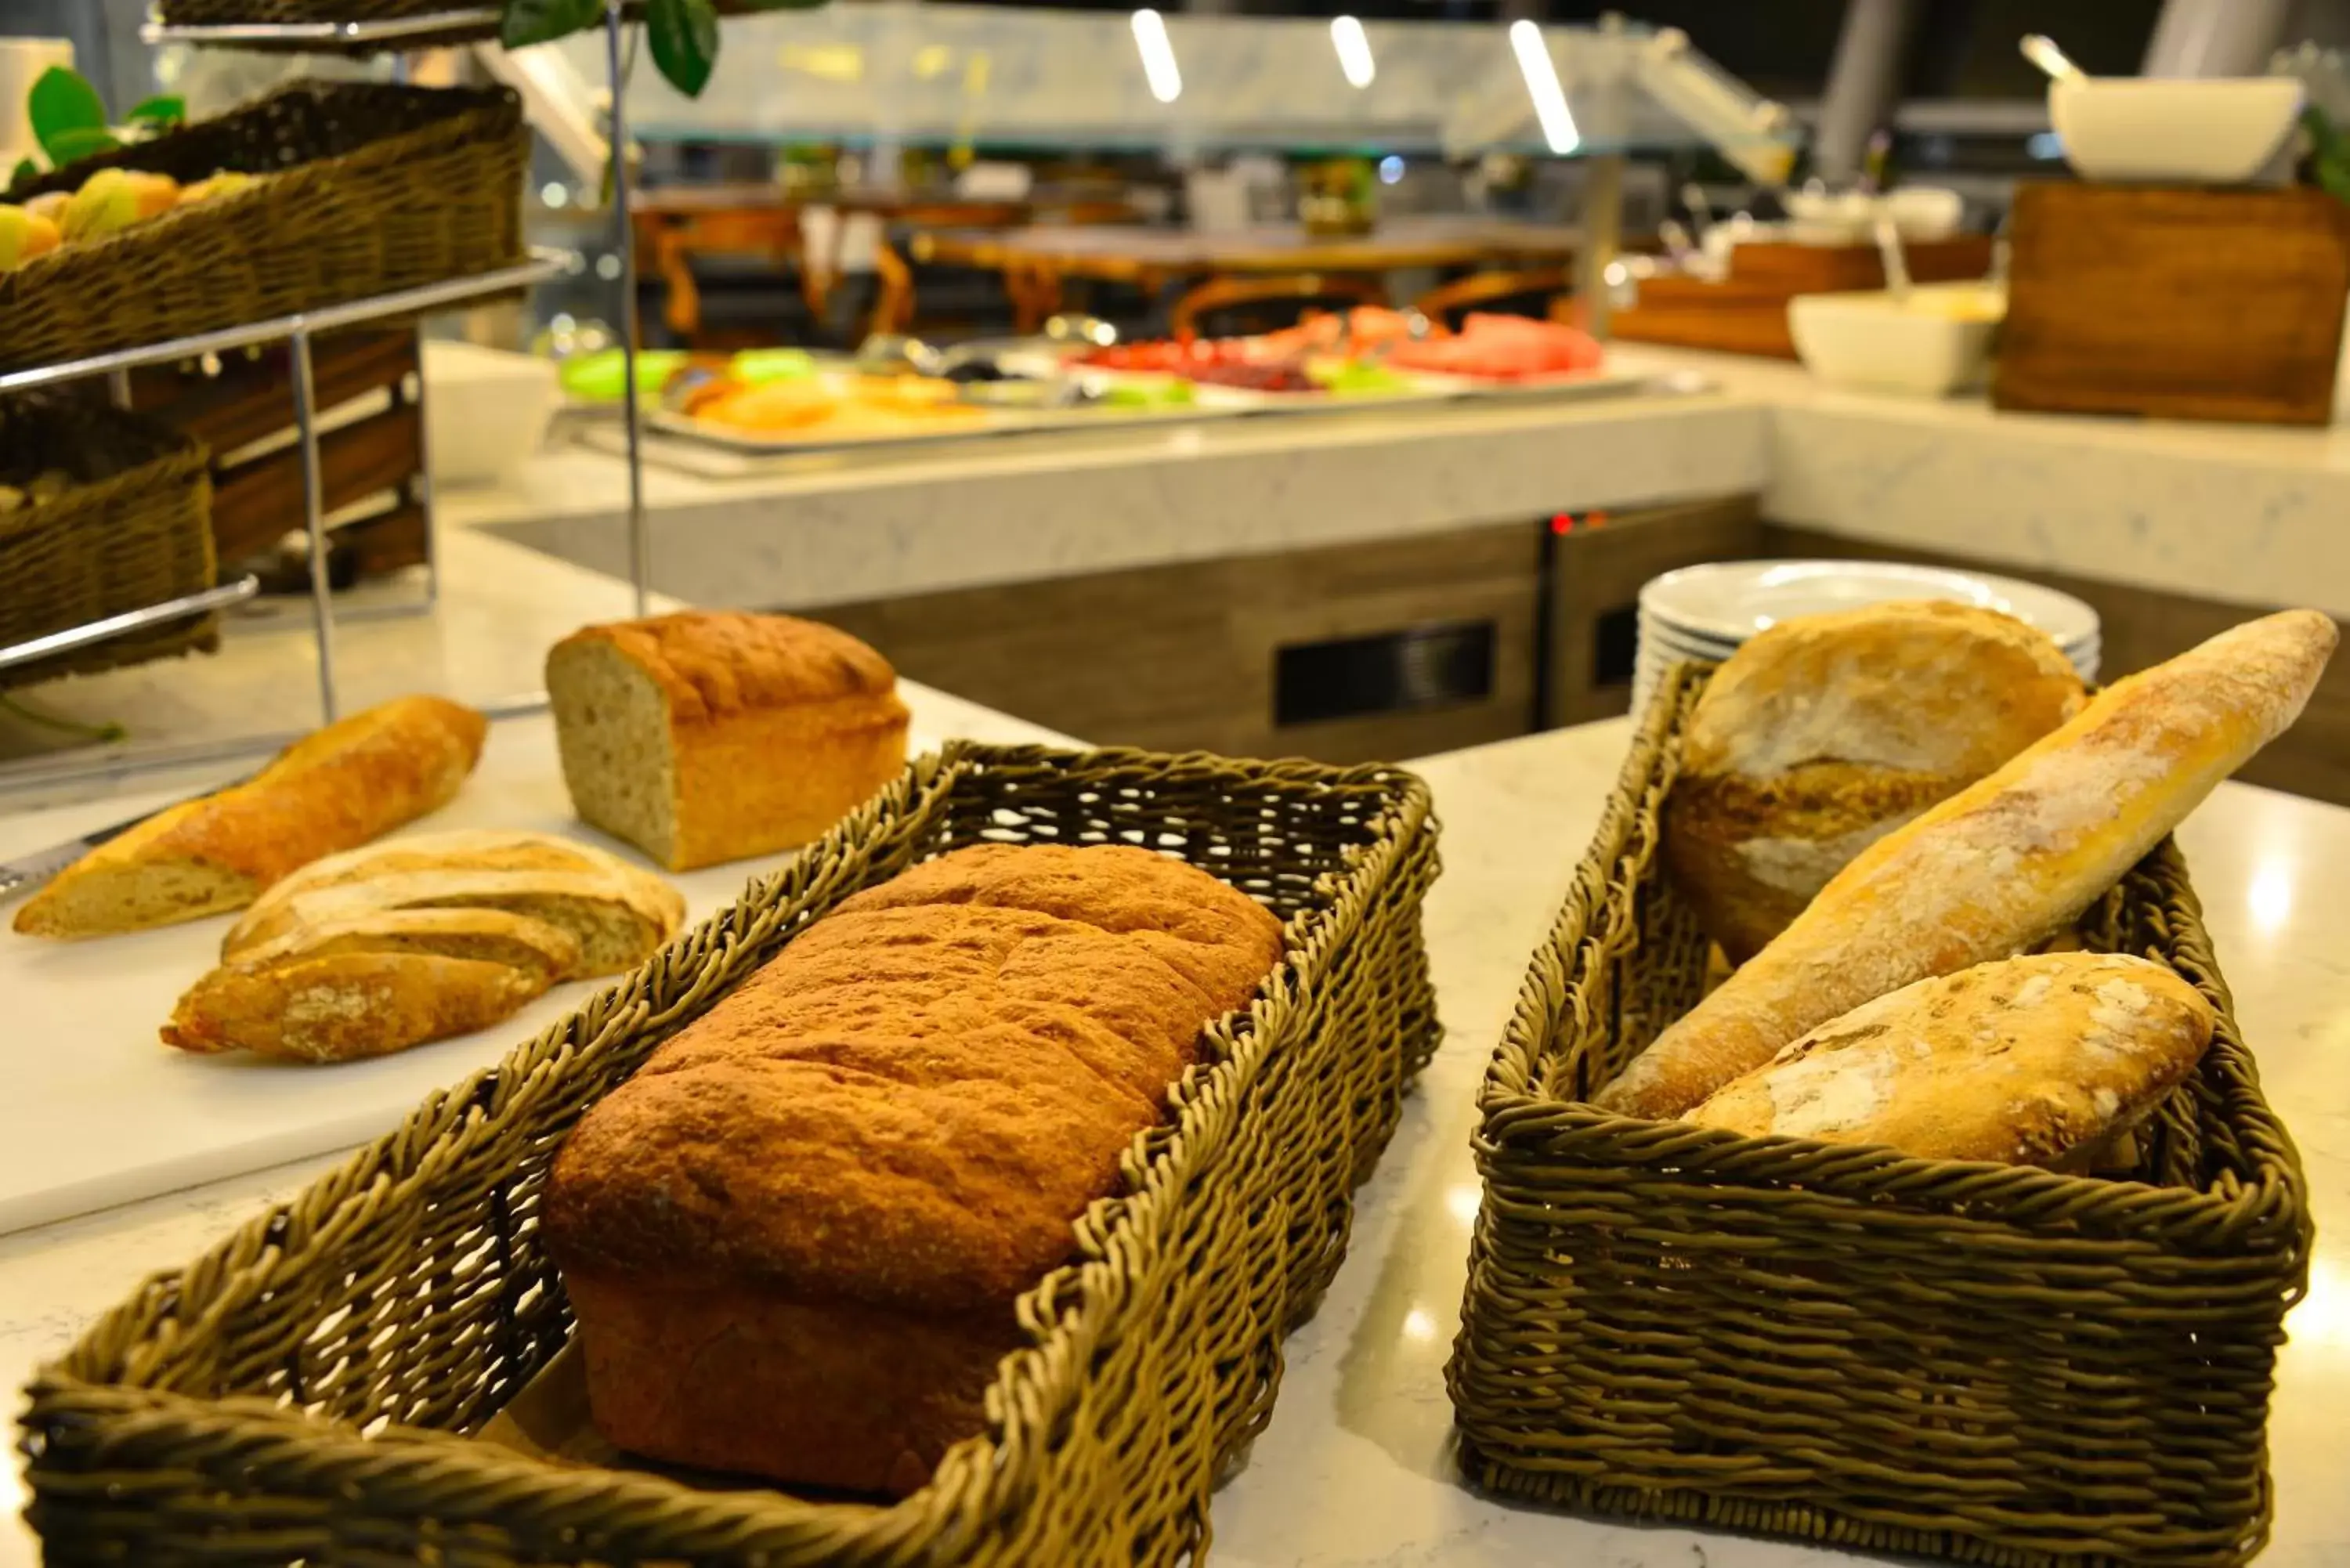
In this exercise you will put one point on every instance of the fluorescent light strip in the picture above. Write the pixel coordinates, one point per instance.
(1542, 85)
(1158, 57)
(1354, 46)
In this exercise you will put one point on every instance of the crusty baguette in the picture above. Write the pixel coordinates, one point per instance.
(2003, 863)
(340, 787)
(2023, 1061)
(417, 938)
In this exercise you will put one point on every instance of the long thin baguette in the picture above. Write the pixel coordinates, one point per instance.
(2001, 865)
(357, 778)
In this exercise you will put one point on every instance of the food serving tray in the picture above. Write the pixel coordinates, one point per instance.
(312, 1388)
(1843, 1344)
(1215, 405)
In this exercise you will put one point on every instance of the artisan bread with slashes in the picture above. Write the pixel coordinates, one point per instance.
(795, 1239)
(1823, 733)
(2003, 864)
(2024, 1061)
(418, 939)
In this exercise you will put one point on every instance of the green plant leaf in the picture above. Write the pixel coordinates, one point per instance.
(82, 141)
(527, 22)
(683, 35)
(62, 101)
(26, 169)
(159, 112)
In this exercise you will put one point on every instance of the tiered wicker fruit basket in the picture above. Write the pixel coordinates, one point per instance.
(132, 529)
(309, 1389)
(369, 189)
(1843, 1344)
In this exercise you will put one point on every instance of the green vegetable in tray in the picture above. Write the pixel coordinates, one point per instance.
(597, 377)
(1171, 393)
(759, 366)
(1359, 378)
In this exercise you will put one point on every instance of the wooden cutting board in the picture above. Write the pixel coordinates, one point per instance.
(1746, 312)
(2177, 303)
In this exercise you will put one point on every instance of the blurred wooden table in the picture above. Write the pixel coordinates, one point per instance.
(1037, 259)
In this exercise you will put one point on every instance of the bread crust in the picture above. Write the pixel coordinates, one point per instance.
(2023, 1061)
(337, 788)
(2003, 864)
(900, 1117)
(1821, 734)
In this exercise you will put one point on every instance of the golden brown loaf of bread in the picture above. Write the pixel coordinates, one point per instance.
(357, 778)
(418, 939)
(848, 1170)
(2000, 866)
(1823, 733)
(711, 735)
(2023, 1061)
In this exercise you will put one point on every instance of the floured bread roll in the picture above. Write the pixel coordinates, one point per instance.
(2025, 1061)
(1825, 733)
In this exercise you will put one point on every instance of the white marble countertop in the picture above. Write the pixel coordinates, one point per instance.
(2251, 515)
(1356, 1467)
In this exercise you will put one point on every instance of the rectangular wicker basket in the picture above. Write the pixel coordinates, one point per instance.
(134, 530)
(304, 1390)
(370, 188)
(1846, 1344)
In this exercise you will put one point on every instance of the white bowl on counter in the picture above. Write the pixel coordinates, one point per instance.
(2226, 130)
(486, 410)
(1934, 341)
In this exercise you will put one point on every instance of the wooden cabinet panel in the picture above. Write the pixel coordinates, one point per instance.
(1185, 655)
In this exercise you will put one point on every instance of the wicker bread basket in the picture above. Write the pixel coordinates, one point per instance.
(306, 1390)
(1842, 1344)
(134, 530)
(370, 188)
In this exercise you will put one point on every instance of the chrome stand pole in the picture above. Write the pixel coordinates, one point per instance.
(314, 517)
(424, 491)
(640, 565)
(1602, 238)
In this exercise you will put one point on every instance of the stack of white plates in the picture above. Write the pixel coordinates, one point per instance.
(1705, 612)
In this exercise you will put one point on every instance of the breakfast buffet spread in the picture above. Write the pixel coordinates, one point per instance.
(1031, 1052)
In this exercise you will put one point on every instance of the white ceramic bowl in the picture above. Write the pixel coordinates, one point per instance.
(1935, 342)
(2228, 131)
(486, 409)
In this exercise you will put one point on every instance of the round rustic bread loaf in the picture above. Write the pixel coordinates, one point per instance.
(1825, 733)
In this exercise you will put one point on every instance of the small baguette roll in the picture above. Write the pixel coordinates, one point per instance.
(356, 779)
(2025, 1061)
(2003, 864)
(342, 1007)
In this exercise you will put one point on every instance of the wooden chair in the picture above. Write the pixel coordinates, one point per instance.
(1234, 306)
(1535, 292)
(773, 232)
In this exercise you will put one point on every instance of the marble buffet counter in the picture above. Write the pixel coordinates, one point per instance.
(2247, 514)
(1356, 1469)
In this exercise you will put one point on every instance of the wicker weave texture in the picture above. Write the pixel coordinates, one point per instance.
(217, 1416)
(135, 530)
(1842, 1344)
(372, 188)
